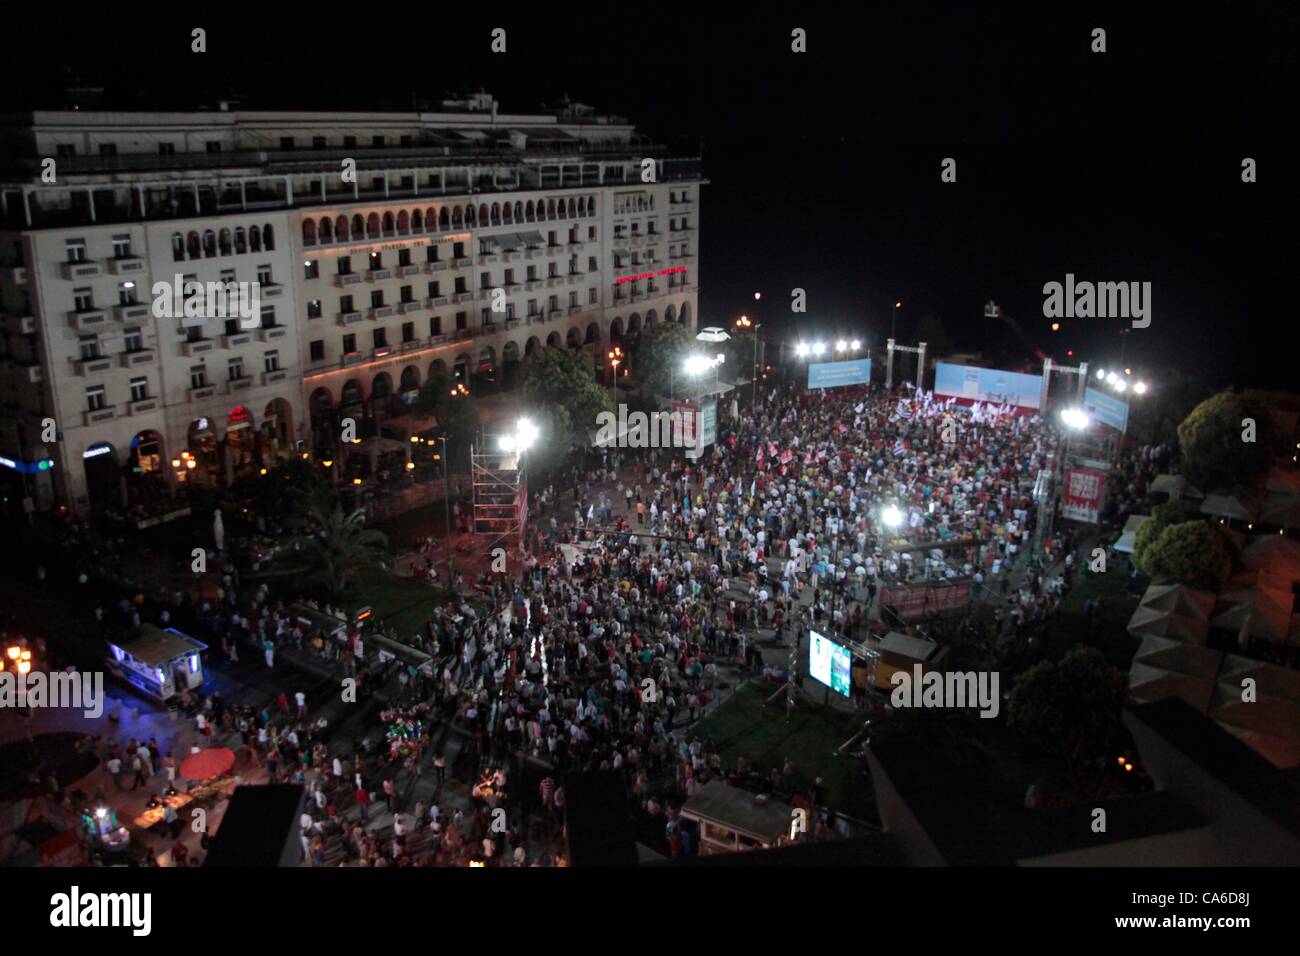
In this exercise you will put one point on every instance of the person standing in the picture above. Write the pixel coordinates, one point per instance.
(139, 780)
(114, 765)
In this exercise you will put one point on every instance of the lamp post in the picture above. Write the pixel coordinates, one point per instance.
(744, 323)
(893, 319)
(446, 505)
(615, 357)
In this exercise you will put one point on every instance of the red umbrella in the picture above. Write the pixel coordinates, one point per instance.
(207, 763)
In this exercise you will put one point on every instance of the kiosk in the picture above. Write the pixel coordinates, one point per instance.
(158, 663)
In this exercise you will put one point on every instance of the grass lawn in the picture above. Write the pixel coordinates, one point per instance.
(1111, 636)
(404, 604)
(742, 726)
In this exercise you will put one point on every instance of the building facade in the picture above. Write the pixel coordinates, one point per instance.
(382, 248)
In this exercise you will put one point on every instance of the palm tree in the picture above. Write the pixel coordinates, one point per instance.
(339, 544)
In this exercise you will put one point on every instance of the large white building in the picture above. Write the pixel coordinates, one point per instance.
(379, 242)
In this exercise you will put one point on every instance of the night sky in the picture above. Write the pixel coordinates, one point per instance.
(824, 167)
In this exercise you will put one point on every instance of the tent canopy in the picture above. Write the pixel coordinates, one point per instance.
(1175, 486)
(1125, 543)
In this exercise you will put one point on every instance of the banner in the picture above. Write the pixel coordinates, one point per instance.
(1082, 494)
(1107, 409)
(974, 383)
(833, 374)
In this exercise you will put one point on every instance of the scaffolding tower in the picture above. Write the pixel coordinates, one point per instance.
(500, 489)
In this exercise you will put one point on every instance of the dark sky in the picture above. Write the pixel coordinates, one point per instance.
(824, 167)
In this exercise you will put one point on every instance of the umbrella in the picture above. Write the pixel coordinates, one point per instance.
(1148, 621)
(218, 530)
(1229, 505)
(712, 334)
(207, 764)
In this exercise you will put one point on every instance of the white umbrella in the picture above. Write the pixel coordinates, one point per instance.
(712, 334)
(218, 530)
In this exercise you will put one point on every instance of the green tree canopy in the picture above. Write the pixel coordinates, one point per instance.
(1215, 454)
(1190, 552)
(457, 415)
(659, 354)
(558, 378)
(1162, 516)
(1069, 708)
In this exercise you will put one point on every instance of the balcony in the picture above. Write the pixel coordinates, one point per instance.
(375, 275)
(270, 333)
(139, 357)
(553, 251)
(435, 267)
(574, 308)
(94, 416)
(237, 340)
(126, 266)
(202, 393)
(349, 318)
(352, 358)
(13, 275)
(198, 347)
(438, 339)
(462, 297)
(241, 384)
(81, 270)
(414, 345)
(464, 262)
(514, 323)
(553, 281)
(406, 308)
(88, 320)
(382, 311)
(490, 259)
(271, 378)
(486, 293)
(531, 284)
(92, 366)
(573, 277)
(142, 406)
(533, 252)
(436, 302)
(347, 279)
(135, 312)
(461, 334)
(271, 290)
(403, 271)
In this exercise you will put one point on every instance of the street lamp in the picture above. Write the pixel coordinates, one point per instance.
(893, 319)
(801, 350)
(1075, 418)
(1140, 388)
(819, 348)
(841, 346)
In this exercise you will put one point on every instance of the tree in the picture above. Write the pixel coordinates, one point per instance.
(1215, 453)
(740, 353)
(286, 493)
(657, 362)
(1069, 708)
(1190, 552)
(557, 433)
(557, 378)
(338, 544)
(1162, 516)
(455, 413)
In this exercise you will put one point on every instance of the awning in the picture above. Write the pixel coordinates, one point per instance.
(1125, 543)
(508, 241)
(532, 238)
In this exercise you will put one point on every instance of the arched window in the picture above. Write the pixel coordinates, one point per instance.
(268, 237)
(326, 229)
(573, 208)
(508, 214)
(341, 228)
(582, 207)
(528, 211)
(496, 214)
(372, 226)
(430, 219)
(178, 247)
(444, 219)
(404, 221)
(483, 214)
(209, 243)
(241, 241)
(358, 227)
(456, 218)
(550, 209)
(254, 239)
(308, 232)
(417, 221)
(388, 224)
(519, 212)
(471, 216)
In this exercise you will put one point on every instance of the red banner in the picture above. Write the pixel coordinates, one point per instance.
(1082, 494)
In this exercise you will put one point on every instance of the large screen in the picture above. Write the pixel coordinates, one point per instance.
(988, 385)
(829, 663)
(833, 374)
